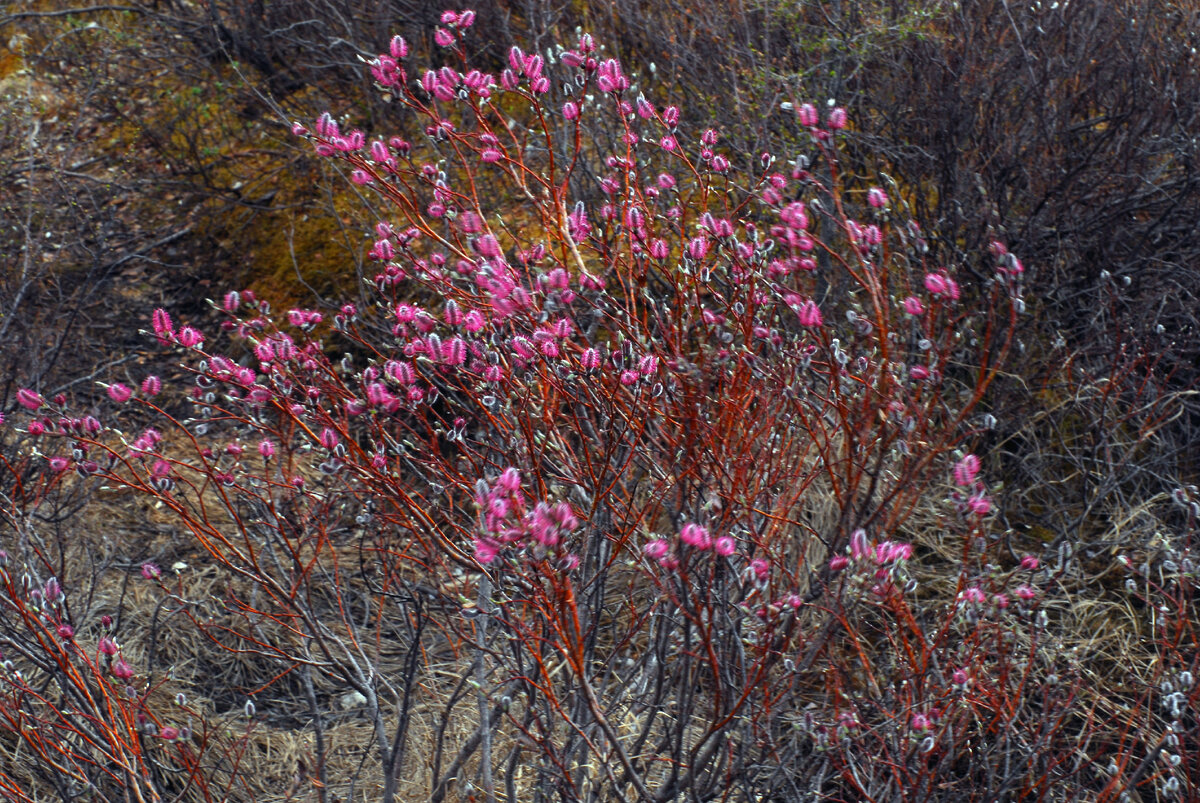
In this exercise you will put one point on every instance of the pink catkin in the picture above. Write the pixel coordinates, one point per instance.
(696, 536)
(965, 470)
(656, 549)
(163, 328)
(935, 283)
(29, 399)
(809, 314)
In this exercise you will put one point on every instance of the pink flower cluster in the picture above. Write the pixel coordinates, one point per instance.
(883, 553)
(610, 77)
(507, 522)
(808, 117)
(881, 564)
(695, 536)
(525, 66)
(304, 319)
(118, 666)
(966, 471)
(940, 284)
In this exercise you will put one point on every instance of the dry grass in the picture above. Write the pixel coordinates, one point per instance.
(1099, 639)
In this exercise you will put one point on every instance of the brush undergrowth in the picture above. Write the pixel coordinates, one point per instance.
(659, 487)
